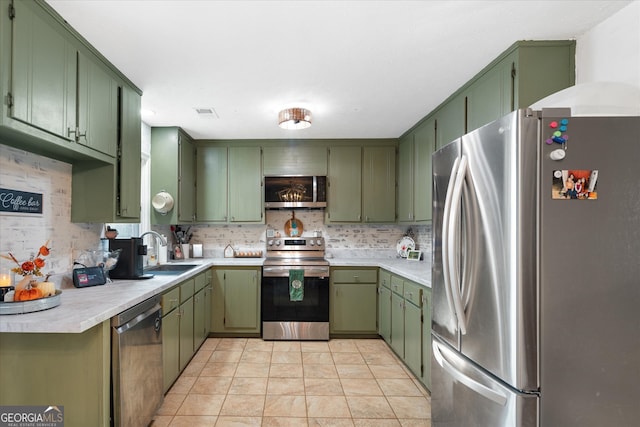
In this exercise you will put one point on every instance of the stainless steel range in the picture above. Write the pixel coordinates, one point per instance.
(294, 309)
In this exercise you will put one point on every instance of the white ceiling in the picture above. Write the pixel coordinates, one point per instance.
(366, 69)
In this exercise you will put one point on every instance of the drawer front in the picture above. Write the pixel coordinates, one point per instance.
(385, 279)
(202, 280)
(413, 293)
(355, 276)
(397, 285)
(170, 300)
(187, 290)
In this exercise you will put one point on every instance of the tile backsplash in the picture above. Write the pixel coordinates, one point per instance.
(356, 237)
(23, 234)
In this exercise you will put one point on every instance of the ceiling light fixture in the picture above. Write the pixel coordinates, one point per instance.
(294, 118)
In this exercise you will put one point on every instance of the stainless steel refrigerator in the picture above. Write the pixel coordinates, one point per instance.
(536, 273)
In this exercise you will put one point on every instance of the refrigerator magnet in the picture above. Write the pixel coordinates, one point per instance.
(574, 184)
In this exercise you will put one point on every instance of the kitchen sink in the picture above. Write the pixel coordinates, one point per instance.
(169, 269)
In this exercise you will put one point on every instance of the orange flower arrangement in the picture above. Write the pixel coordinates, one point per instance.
(33, 265)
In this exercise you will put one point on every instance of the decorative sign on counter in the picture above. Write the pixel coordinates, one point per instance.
(16, 201)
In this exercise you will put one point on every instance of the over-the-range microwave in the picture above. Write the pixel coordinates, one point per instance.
(295, 192)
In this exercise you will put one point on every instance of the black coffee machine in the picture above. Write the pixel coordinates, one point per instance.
(130, 263)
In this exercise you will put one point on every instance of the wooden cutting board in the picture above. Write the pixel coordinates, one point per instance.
(293, 227)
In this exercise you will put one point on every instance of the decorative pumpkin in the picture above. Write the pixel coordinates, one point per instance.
(27, 294)
(47, 288)
(25, 283)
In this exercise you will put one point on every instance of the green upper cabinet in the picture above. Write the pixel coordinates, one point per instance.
(406, 163)
(229, 183)
(523, 74)
(43, 70)
(450, 121)
(414, 174)
(424, 146)
(379, 184)
(66, 101)
(211, 179)
(110, 191)
(540, 69)
(129, 155)
(186, 179)
(246, 198)
(345, 184)
(491, 95)
(60, 90)
(362, 182)
(97, 126)
(295, 160)
(172, 170)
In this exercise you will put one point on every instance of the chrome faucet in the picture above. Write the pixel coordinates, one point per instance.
(159, 237)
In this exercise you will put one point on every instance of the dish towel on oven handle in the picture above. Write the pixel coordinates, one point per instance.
(296, 285)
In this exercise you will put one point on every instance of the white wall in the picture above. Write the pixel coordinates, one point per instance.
(611, 51)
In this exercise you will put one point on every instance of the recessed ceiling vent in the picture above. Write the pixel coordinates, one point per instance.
(207, 112)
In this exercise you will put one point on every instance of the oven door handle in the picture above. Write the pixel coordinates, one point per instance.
(284, 271)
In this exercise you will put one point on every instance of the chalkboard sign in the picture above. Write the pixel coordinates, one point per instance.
(16, 201)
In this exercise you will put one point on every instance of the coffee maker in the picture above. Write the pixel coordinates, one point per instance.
(131, 260)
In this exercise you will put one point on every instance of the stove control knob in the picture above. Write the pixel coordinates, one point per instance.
(278, 242)
(319, 242)
(312, 243)
(270, 242)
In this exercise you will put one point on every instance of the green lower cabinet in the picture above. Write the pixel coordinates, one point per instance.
(404, 322)
(171, 347)
(236, 301)
(353, 308)
(426, 338)
(186, 332)
(353, 301)
(413, 327)
(397, 324)
(384, 306)
(201, 309)
(178, 328)
(70, 370)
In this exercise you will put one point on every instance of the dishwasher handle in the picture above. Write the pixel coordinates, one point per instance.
(139, 318)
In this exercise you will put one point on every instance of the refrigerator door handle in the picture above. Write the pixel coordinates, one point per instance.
(446, 273)
(483, 390)
(453, 245)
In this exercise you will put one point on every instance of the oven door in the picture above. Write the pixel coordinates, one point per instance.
(286, 319)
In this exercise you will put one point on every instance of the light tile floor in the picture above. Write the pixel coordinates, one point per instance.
(251, 382)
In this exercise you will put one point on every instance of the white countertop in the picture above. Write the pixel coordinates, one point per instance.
(84, 308)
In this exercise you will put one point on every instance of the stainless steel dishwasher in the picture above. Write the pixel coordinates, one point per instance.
(136, 364)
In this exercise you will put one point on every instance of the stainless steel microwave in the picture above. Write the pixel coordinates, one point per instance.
(295, 192)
